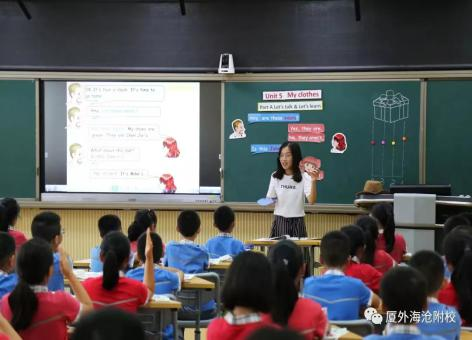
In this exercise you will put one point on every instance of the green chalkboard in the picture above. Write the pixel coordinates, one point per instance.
(448, 121)
(348, 108)
(17, 138)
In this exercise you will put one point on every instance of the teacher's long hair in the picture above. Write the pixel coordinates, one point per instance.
(296, 159)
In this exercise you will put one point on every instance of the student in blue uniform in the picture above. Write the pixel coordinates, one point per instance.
(106, 224)
(403, 292)
(168, 280)
(8, 279)
(47, 226)
(185, 254)
(431, 266)
(343, 296)
(224, 243)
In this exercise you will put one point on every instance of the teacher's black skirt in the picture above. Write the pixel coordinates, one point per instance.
(293, 226)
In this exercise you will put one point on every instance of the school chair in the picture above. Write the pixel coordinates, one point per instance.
(195, 298)
(361, 327)
(157, 315)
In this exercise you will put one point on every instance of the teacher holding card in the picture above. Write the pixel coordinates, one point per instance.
(288, 188)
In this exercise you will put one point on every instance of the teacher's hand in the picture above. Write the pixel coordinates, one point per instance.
(314, 174)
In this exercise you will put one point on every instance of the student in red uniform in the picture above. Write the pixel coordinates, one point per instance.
(377, 258)
(247, 293)
(458, 292)
(135, 230)
(113, 288)
(355, 268)
(393, 243)
(12, 210)
(7, 332)
(33, 311)
(288, 310)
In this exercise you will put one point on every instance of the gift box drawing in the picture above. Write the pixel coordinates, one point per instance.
(391, 107)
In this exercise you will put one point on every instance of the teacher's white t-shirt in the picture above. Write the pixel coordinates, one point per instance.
(290, 195)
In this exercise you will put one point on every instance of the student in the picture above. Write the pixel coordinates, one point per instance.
(167, 280)
(288, 310)
(377, 258)
(458, 292)
(430, 264)
(355, 268)
(247, 293)
(454, 221)
(135, 230)
(403, 290)
(224, 243)
(12, 211)
(106, 224)
(109, 323)
(393, 243)
(8, 279)
(290, 187)
(34, 311)
(47, 226)
(113, 288)
(146, 217)
(7, 332)
(186, 255)
(344, 296)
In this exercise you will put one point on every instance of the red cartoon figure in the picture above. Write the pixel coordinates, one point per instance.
(168, 181)
(171, 144)
(338, 143)
(309, 164)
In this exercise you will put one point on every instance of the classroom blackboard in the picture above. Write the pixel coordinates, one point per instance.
(18, 138)
(448, 120)
(380, 120)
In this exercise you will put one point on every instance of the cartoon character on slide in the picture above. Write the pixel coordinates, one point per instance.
(309, 164)
(169, 185)
(239, 131)
(338, 143)
(172, 149)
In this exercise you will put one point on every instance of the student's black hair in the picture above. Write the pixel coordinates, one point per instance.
(335, 248)
(468, 216)
(108, 223)
(286, 259)
(12, 210)
(3, 219)
(46, 225)
(223, 218)
(454, 221)
(33, 263)
(135, 230)
(156, 247)
(464, 228)
(458, 252)
(108, 323)
(188, 223)
(7, 248)
(356, 238)
(371, 233)
(146, 217)
(404, 289)
(383, 212)
(115, 249)
(430, 264)
(248, 283)
(296, 159)
(272, 333)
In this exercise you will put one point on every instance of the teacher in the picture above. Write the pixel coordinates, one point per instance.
(289, 187)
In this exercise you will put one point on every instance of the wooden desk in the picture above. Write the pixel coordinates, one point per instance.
(311, 244)
(82, 264)
(197, 283)
(156, 311)
(220, 266)
(466, 335)
(350, 336)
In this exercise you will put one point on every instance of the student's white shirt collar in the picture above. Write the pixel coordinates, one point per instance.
(225, 235)
(334, 271)
(433, 299)
(355, 259)
(243, 319)
(39, 288)
(185, 241)
(3, 273)
(401, 329)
